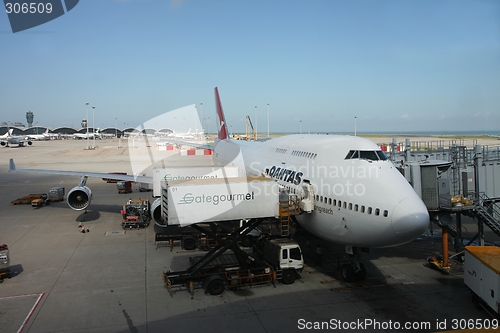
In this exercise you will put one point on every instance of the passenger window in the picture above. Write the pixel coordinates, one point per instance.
(335, 202)
(344, 204)
(362, 209)
(369, 210)
(356, 207)
(350, 206)
(377, 211)
(386, 213)
(285, 253)
(340, 203)
(329, 201)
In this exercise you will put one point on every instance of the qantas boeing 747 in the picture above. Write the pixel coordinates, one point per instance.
(358, 197)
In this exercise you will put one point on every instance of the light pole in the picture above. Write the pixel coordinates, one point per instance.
(87, 122)
(301, 127)
(116, 128)
(355, 125)
(256, 125)
(202, 118)
(268, 120)
(93, 127)
(208, 126)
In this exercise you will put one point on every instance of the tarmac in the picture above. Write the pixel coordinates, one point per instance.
(109, 279)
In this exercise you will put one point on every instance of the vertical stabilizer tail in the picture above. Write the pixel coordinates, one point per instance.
(222, 127)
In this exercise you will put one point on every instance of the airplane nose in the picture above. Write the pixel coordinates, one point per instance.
(410, 218)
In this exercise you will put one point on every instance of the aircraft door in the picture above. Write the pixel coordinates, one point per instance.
(307, 197)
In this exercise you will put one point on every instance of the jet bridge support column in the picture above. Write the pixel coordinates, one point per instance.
(479, 175)
(407, 150)
(445, 247)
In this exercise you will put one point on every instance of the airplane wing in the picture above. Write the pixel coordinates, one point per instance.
(141, 179)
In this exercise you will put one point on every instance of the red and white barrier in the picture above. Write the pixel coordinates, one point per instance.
(195, 152)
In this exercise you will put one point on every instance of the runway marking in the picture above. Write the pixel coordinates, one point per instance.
(30, 313)
(114, 233)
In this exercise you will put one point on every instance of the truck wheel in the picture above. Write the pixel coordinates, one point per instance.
(189, 243)
(347, 272)
(288, 276)
(214, 285)
(246, 241)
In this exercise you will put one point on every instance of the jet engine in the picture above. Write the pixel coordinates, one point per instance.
(3, 143)
(79, 197)
(30, 142)
(156, 213)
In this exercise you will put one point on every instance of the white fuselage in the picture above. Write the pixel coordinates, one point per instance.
(362, 202)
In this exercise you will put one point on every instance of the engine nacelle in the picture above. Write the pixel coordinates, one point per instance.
(156, 213)
(30, 142)
(79, 197)
(3, 143)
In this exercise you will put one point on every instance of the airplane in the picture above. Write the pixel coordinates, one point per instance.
(359, 198)
(44, 136)
(14, 139)
(90, 135)
(4, 136)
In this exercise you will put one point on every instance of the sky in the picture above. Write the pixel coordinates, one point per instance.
(321, 66)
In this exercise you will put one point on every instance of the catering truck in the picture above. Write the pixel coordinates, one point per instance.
(213, 200)
(219, 269)
(482, 276)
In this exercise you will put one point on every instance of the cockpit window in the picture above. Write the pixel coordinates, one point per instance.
(381, 155)
(368, 155)
(371, 155)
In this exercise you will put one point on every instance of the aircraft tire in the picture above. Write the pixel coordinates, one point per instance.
(361, 274)
(347, 272)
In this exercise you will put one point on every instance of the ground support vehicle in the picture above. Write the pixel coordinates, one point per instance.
(272, 227)
(188, 237)
(40, 202)
(27, 199)
(124, 187)
(482, 276)
(214, 271)
(56, 194)
(4, 262)
(136, 214)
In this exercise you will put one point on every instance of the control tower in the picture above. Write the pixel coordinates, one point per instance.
(29, 118)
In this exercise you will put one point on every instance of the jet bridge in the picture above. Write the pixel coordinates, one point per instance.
(465, 183)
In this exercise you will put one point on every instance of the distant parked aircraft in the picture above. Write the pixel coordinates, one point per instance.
(8, 138)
